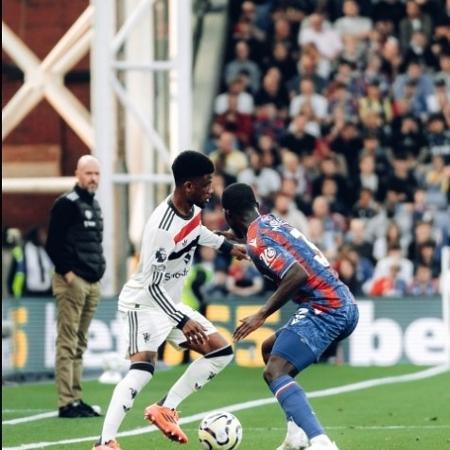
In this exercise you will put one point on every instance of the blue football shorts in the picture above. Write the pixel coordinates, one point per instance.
(317, 330)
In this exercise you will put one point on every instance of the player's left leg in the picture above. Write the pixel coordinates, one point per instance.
(283, 362)
(217, 354)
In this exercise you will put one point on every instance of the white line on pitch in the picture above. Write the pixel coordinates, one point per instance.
(252, 404)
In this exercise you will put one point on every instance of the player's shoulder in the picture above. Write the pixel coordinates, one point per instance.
(162, 217)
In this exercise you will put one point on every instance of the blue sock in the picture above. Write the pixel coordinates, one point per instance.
(293, 400)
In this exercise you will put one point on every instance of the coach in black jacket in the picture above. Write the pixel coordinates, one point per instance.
(75, 246)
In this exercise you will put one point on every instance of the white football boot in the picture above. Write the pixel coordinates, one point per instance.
(322, 442)
(296, 438)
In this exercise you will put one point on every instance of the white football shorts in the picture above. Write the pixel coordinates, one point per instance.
(147, 328)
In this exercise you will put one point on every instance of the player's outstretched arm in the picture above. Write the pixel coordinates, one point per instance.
(288, 287)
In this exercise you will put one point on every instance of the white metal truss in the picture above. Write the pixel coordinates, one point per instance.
(113, 77)
(45, 79)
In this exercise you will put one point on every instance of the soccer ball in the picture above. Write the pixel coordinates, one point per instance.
(220, 431)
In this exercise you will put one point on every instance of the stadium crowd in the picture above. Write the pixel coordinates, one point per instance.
(338, 114)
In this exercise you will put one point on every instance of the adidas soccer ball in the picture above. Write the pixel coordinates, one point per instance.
(220, 431)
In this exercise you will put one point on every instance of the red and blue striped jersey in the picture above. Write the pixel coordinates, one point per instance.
(275, 246)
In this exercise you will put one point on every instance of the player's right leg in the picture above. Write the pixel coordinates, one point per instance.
(296, 438)
(290, 355)
(144, 332)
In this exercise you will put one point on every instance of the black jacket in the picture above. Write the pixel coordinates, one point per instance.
(75, 235)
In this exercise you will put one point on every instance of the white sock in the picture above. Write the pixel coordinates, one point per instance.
(122, 400)
(197, 375)
(322, 439)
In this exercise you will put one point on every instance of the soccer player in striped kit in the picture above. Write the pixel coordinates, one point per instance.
(327, 311)
(150, 303)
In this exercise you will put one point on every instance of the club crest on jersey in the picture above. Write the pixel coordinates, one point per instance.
(268, 255)
(299, 315)
(160, 255)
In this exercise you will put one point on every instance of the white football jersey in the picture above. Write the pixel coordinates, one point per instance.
(168, 245)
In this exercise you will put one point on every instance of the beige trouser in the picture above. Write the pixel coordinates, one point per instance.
(76, 305)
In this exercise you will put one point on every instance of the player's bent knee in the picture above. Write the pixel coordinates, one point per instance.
(272, 372)
(149, 357)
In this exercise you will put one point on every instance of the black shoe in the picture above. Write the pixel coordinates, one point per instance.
(71, 411)
(87, 409)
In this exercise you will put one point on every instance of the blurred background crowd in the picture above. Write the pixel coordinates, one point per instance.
(338, 113)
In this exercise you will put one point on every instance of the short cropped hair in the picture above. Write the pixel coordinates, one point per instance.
(191, 164)
(238, 197)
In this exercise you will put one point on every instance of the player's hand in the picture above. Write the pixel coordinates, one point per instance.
(69, 277)
(248, 325)
(194, 332)
(239, 252)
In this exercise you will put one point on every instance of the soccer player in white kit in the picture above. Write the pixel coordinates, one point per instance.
(150, 303)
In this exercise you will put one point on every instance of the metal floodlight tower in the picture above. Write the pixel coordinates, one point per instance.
(123, 68)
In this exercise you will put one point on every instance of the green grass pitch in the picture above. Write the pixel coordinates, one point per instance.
(403, 416)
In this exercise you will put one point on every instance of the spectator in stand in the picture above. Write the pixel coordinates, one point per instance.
(389, 285)
(307, 94)
(244, 279)
(306, 68)
(438, 137)
(419, 50)
(365, 207)
(264, 180)
(392, 238)
(347, 274)
(234, 120)
(270, 152)
(352, 24)
(329, 190)
(429, 255)
(31, 270)
(437, 183)
(402, 183)
(273, 91)
(439, 101)
(423, 283)
(414, 20)
(444, 66)
(416, 85)
(383, 268)
(282, 60)
(297, 139)
(423, 232)
(213, 139)
(246, 30)
(242, 62)
(346, 141)
(282, 33)
(375, 102)
(367, 177)
(340, 98)
(327, 40)
(392, 11)
(329, 169)
(356, 236)
(228, 160)
(236, 88)
(392, 58)
(333, 225)
(407, 138)
(292, 169)
(286, 209)
(267, 122)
